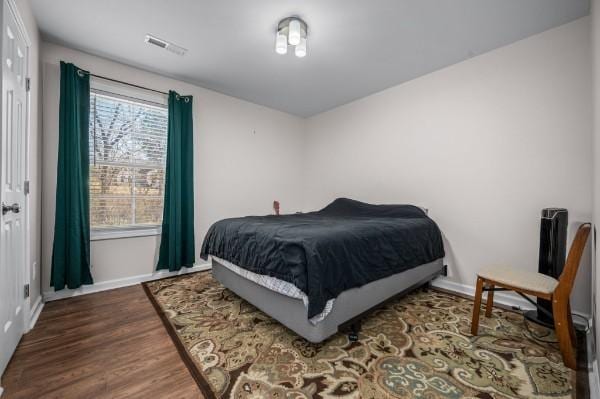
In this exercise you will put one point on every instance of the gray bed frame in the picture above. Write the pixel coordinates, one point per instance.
(349, 307)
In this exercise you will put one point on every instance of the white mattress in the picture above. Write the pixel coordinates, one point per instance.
(279, 286)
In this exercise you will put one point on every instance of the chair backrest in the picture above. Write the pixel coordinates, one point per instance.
(567, 277)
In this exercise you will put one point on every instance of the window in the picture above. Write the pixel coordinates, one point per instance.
(128, 142)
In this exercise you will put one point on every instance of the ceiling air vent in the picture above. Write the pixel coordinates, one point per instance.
(150, 39)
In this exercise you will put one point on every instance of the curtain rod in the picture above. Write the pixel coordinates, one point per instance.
(128, 84)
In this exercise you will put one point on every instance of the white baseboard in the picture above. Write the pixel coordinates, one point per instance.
(118, 283)
(594, 378)
(36, 309)
(503, 298)
(1, 391)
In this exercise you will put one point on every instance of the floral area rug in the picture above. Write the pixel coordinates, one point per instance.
(416, 346)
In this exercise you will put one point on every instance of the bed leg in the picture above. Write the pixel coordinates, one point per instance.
(354, 330)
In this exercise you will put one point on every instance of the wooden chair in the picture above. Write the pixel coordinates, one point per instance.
(541, 286)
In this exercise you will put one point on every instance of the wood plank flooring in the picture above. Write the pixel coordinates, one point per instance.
(113, 345)
(106, 345)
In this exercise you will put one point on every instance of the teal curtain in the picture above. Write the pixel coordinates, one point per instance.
(177, 247)
(71, 249)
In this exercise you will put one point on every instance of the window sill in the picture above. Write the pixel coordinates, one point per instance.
(111, 234)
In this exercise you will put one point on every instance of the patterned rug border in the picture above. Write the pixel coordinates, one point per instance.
(204, 386)
(183, 352)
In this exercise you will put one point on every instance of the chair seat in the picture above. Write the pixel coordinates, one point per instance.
(530, 281)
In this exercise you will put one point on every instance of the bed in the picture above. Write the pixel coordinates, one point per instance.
(320, 271)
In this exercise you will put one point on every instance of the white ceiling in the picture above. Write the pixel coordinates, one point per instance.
(355, 47)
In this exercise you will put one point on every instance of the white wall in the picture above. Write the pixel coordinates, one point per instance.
(484, 144)
(245, 157)
(595, 15)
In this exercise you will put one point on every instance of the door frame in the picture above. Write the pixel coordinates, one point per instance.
(11, 6)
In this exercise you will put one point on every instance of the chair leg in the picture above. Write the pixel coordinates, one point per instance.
(572, 333)
(490, 301)
(560, 311)
(477, 306)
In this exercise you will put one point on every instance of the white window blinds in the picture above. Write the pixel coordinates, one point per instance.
(128, 143)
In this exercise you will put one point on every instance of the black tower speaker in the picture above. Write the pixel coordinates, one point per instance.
(553, 248)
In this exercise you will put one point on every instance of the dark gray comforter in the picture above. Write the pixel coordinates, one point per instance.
(347, 244)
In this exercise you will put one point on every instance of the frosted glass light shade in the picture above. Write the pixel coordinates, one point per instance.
(281, 44)
(294, 32)
(300, 49)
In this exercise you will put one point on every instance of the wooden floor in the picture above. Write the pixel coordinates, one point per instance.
(106, 345)
(113, 345)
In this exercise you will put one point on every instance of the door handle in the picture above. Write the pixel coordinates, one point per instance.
(15, 208)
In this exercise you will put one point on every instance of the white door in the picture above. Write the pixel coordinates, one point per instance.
(12, 195)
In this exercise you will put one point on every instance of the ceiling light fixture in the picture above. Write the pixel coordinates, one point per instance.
(300, 49)
(281, 44)
(291, 31)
